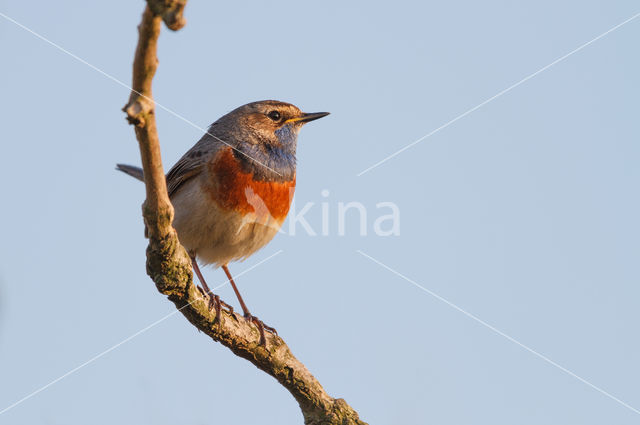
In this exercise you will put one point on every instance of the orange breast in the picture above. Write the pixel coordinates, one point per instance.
(236, 190)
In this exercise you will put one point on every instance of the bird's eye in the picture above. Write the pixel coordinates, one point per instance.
(274, 115)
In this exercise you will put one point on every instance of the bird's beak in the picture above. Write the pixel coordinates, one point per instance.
(305, 118)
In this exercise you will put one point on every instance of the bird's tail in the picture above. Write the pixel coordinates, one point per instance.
(135, 172)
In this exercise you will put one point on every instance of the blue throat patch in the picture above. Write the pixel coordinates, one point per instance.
(281, 158)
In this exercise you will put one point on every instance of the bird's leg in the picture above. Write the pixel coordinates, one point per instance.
(214, 300)
(247, 314)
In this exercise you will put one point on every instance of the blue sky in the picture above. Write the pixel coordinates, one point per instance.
(522, 213)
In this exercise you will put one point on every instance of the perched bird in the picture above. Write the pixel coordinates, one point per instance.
(232, 190)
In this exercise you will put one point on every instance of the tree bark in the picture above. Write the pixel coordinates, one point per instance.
(168, 264)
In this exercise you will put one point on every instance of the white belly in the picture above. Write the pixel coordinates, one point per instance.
(217, 236)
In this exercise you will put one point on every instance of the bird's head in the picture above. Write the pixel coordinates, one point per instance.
(266, 131)
(270, 121)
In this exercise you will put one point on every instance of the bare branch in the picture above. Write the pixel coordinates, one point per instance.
(168, 263)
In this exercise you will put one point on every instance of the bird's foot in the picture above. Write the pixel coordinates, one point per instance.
(261, 327)
(216, 303)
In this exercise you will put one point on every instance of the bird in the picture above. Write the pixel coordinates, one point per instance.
(232, 190)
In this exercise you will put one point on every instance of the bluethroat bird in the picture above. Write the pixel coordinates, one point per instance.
(232, 190)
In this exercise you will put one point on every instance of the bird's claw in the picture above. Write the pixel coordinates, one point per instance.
(261, 327)
(216, 303)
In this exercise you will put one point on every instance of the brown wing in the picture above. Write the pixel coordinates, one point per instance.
(194, 161)
(189, 166)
